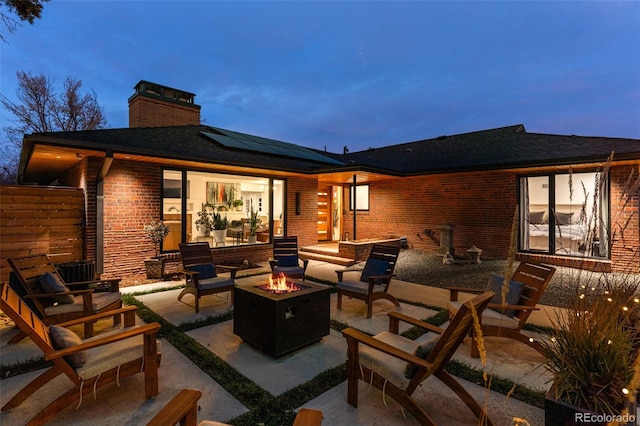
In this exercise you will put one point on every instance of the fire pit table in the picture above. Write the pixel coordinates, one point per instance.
(283, 317)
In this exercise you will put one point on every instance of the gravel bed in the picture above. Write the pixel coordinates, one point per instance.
(419, 267)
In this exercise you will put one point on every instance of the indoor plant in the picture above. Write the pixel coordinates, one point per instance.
(204, 223)
(254, 222)
(220, 225)
(238, 205)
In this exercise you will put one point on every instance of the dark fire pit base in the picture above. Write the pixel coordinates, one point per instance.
(280, 323)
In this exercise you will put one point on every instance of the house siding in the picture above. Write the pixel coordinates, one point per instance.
(479, 206)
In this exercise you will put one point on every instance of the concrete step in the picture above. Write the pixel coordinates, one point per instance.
(325, 257)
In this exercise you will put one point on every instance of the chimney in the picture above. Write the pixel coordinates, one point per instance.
(154, 105)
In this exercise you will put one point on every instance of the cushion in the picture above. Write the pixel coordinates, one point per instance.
(288, 261)
(206, 271)
(63, 338)
(513, 293)
(374, 267)
(423, 352)
(536, 218)
(563, 218)
(51, 283)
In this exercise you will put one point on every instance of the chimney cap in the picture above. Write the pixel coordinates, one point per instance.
(148, 88)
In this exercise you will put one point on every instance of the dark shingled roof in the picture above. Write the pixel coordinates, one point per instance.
(180, 142)
(501, 148)
(506, 147)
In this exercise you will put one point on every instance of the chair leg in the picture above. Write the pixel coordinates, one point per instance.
(18, 337)
(32, 387)
(475, 353)
(339, 300)
(353, 373)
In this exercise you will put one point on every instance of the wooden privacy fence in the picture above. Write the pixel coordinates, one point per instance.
(35, 219)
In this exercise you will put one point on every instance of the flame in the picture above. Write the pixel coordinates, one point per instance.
(280, 284)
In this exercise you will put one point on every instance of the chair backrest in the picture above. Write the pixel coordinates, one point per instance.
(28, 270)
(25, 319)
(285, 246)
(535, 278)
(381, 255)
(458, 329)
(194, 254)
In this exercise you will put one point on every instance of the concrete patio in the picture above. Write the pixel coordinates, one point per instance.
(126, 404)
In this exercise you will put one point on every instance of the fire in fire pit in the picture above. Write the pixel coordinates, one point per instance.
(280, 285)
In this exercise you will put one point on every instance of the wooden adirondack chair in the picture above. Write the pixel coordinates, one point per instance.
(87, 301)
(375, 278)
(285, 258)
(384, 359)
(495, 321)
(200, 273)
(183, 409)
(109, 356)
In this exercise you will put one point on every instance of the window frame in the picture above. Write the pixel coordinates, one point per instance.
(603, 207)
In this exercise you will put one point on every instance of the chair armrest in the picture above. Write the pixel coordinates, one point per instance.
(340, 273)
(232, 269)
(113, 284)
(308, 417)
(127, 311)
(273, 263)
(396, 317)
(61, 293)
(190, 272)
(181, 406)
(148, 329)
(453, 292)
(305, 263)
(512, 307)
(353, 334)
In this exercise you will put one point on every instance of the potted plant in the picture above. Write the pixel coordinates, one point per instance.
(254, 223)
(591, 353)
(204, 223)
(237, 204)
(220, 225)
(157, 231)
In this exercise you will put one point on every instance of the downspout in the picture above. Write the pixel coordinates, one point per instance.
(104, 170)
(355, 208)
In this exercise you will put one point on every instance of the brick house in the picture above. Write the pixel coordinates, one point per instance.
(461, 190)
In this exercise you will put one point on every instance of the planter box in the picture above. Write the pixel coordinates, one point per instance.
(560, 413)
(154, 268)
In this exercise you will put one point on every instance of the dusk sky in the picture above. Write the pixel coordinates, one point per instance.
(356, 74)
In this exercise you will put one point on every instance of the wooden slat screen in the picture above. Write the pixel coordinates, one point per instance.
(35, 220)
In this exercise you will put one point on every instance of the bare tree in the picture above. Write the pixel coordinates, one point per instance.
(27, 10)
(39, 109)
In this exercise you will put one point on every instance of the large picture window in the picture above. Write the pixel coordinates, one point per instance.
(190, 199)
(564, 214)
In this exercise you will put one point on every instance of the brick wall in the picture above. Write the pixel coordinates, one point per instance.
(149, 112)
(304, 225)
(480, 206)
(625, 218)
(131, 201)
